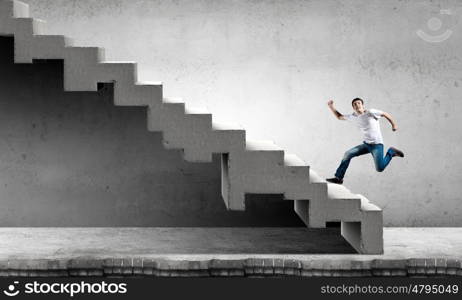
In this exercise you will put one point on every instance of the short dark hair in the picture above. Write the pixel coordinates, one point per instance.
(357, 99)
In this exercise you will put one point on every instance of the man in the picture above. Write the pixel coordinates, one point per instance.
(368, 122)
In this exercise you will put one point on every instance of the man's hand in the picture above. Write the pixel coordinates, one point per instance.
(338, 115)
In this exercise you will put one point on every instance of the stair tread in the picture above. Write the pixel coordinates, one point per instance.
(262, 145)
(367, 206)
(197, 111)
(66, 42)
(116, 62)
(33, 19)
(315, 178)
(84, 47)
(51, 36)
(337, 191)
(38, 25)
(226, 126)
(148, 83)
(173, 100)
(292, 160)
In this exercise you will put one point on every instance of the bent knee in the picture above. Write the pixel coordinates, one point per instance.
(348, 155)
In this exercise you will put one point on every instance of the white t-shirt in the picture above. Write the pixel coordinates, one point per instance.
(369, 125)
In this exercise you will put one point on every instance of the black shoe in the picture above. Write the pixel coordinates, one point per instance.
(397, 152)
(335, 180)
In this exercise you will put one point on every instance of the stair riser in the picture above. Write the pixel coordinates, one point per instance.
(84, 76)
(15, 9)
(165, 116)
(23, 30)
(200, 144)
(189, 131)
(138, 95)
(301, 208)
(365, 236)
(224, 141)
(316, 192)
(41, 47)
(298, 172)
(190, 128)
(81, 70)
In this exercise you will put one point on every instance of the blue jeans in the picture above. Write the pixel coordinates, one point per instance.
(376, 150)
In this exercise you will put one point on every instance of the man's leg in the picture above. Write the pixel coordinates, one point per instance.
(380, 161)
(353, 152)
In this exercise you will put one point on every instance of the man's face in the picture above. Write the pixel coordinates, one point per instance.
(358, 106)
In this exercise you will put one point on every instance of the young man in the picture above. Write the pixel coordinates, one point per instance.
(368, 122)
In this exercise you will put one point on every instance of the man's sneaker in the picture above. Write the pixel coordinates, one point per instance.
(397, 152)
(334, 180)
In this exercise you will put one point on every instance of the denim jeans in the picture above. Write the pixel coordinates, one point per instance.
(376, 150)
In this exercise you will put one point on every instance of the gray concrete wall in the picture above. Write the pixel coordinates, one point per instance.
(272, 65)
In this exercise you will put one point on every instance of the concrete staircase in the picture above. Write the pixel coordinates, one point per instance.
(259, 167)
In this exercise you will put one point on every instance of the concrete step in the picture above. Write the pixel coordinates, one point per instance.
(123, 73)
(187, 128)
(48, 47)
(15, 9)
(366, 235)
(292, 160)
(226, 137)
(198, 135)
(140, 94)
(166, 115)
(83, 56)
(265, 154)
(193, 134)
(226, 126)
(197, 110)
(126, 91)
(297, 171)
(27, 27)
(198, 119)
(338, 191)
(367, 206)
(262, 146)
(315, 178)
(174, 100)
(80, 68)
(342, 204)
(306, 185)
(24, 29)
(222, 138)
(195, 124)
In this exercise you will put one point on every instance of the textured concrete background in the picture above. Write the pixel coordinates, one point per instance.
(272, 65)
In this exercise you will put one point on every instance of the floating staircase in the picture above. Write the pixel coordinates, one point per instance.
(247, 167)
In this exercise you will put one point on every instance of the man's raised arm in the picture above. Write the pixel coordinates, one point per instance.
(387, 116)
(338, 115)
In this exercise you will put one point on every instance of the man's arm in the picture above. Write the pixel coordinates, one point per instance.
(387, 116)
(338, 115)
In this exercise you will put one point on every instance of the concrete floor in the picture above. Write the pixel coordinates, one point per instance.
(220, 243)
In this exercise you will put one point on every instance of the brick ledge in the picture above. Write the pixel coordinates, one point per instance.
(250, 267)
